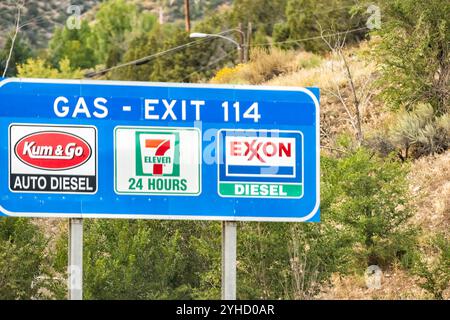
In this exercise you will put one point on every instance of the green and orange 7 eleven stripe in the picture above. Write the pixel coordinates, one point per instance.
(161, 146)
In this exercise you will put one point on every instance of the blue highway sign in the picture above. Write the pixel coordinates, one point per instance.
(111, 149)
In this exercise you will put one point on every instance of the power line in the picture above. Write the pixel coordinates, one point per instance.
(150, 57)
(208, 65)
(308, 39)
(143, 59)
(158, 54)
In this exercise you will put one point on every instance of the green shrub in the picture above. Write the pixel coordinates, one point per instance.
(308, 18)
(309, 61)
(367, 199)
(419, 132)
(435, 271)
(315, 251)
(274, 260)
(139, 259)
(22, 259)
(413, 53)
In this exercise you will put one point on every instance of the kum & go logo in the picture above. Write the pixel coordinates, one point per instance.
(52, 150)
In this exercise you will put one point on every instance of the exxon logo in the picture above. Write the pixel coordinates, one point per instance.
(260, 150)
(260, 156)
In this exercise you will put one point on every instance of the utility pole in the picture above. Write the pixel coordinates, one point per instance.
(247, 44)
(161, 15)
(187, 15)
(241, 44)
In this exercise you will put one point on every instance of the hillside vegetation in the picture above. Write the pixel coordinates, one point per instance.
(40, 18)
(428, 178)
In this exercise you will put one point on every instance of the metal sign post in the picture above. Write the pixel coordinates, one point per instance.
(75, 268)
(229, 244)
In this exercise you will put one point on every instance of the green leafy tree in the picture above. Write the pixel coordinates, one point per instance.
(113, 22)
(262, 14)
(309, 18)
(187, 64)
(413, 53)
(116, 22)
(73, 45)
(22, 259)
(173, 10)
(20, 53)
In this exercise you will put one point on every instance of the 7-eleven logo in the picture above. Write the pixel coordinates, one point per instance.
(157, 154)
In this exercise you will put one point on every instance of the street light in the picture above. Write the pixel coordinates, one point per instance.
(198, 35)
(220, 35)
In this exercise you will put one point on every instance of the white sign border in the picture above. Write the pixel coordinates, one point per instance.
(181, 217)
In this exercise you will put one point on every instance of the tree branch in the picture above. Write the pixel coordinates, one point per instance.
(337, 49)
(13, 40)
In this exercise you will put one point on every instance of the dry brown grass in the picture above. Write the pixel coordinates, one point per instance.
(430, 186)
(331, 77)
(396, 284)
(304, 69)
(325, 75)
(266, 64)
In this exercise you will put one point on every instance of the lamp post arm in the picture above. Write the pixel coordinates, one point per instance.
(226, 38)
(240, 45)
(231, 30)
